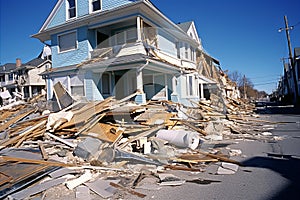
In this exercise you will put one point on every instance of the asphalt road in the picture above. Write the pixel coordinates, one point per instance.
(271, 168)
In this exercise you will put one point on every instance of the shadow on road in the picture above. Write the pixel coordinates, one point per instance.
(288, 168)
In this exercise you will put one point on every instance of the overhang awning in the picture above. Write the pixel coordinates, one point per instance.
(205, 79)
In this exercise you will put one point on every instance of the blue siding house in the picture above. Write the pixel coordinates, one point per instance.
(103, 48)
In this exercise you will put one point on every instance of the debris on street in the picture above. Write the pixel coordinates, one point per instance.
(111, 147)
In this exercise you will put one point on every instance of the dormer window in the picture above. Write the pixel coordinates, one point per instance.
(71, 9)
(95, 5)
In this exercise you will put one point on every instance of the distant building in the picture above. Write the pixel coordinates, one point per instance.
(24, 80)
(288, 89)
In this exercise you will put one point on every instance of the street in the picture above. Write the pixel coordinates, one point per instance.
(270, 168)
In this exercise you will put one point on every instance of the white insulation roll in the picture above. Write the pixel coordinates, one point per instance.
(180, 138)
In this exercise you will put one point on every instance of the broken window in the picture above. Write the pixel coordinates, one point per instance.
(120, 37)
(71, 9)
(105, 84)
(67, 42)
(126, 36)
(96, 5)
(131, 35)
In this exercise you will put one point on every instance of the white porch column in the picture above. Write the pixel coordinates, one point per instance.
(174, 95)
(22, 92)
(30, 91)
(141, 96)
(201, 92)
(174, 85)
(139, 28)
(139, 81)
(49, 88)
(166, 87)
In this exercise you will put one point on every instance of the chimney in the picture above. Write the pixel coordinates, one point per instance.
(18, 62)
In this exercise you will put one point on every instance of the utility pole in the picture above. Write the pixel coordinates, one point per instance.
(287, 32)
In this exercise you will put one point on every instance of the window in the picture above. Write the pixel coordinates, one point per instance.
(121, 37)
(67, 42)
(77, 90)
(71, 9)
(186, 51)
(105, 84)
(77, 84)
(190, 90)
(95, 5)
(131, 35)
(193, 54)
(126, 36)
(11, 77)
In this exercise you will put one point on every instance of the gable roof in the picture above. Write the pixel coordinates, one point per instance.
(35, 62)
(7, 67)
(185, 26)
(106, 16)
(51, 15)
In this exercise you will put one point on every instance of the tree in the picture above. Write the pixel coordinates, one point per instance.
(245, 86)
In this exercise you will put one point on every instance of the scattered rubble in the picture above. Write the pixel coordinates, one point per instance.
(112, 148)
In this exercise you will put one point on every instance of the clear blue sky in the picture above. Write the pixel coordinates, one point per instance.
(243, 35)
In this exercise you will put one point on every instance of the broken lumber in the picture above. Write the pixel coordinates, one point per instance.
(41, 162)
(221, 158)
(15, 119)
(127, 190)
(24, 134)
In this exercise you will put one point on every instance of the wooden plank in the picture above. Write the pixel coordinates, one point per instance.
(193, 127)
(32, 161)
(105, 132)
(127, 190)
(63, 97)
(24, 134)
(221, 158)
(43, 151)
(143, 134)
(15, 119)
(159, 118)
(86, 113)
(174, 167)
(5, 178)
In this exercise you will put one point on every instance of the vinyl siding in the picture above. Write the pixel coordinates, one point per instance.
(72, 57)
(82, 9)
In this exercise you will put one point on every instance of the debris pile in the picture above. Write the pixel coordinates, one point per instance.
(111, 148)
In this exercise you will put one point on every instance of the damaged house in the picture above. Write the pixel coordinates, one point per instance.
(23, 80)
(103, 48)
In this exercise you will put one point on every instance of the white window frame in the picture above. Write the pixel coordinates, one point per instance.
(58, 41)
(91, 6)
(191, 89)
(68, 8)
(193, 56)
